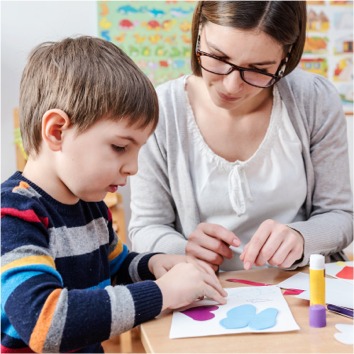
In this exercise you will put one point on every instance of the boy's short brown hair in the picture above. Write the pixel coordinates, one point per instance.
(88, 78)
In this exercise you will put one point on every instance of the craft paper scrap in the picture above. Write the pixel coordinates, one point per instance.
(338, 292)
(247, 282)
(341, 270)
(292, 292)
(297, 281)
(248, 309)
(345, 334)
(254, 283)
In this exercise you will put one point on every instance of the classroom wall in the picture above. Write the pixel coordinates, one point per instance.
(25, 24)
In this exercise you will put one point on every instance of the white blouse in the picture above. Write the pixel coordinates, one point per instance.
(240, 195)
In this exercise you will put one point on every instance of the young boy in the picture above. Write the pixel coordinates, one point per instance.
(68, 282)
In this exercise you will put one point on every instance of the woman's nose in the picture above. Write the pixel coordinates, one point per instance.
(233, 82)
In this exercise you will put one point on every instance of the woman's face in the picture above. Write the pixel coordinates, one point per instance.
(245, 48)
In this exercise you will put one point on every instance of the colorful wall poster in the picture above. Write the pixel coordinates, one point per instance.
(155, 34)
(329, 45)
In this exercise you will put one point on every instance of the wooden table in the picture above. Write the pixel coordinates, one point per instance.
(155, 333)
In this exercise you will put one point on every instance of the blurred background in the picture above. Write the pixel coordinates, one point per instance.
(156, 34)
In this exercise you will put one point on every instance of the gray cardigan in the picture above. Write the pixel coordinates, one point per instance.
(164, 208)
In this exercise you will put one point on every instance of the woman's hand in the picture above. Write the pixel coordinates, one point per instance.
(210, 243)
(187, 282)
(273, 243)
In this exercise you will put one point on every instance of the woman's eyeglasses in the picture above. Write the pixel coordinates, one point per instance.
(254, 77)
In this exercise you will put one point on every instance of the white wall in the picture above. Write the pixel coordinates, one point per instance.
(24, 24)
(351, 147)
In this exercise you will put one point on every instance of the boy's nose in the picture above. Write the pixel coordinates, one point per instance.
(131, 167)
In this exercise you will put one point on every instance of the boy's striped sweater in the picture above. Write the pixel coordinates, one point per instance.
(58, 266)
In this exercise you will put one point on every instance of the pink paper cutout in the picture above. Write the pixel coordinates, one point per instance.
(293, 292)
(201, 313)
(248, 282)
(346, 273)
(254, 283)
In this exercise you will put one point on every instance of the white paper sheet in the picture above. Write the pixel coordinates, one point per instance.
(262, 297)
(334, 269)
(338, 292)
(345, 333)
(297, 281)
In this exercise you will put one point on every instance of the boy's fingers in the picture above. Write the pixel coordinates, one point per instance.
(205, 266)
(213, 282)
(211, 293)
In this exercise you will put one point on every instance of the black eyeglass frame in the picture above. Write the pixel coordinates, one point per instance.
(274, 77)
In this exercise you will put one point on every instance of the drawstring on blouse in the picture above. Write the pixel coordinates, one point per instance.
(239, 190)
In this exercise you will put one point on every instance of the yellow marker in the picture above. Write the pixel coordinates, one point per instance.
(317, 280)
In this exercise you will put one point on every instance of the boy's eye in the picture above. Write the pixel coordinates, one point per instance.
(119, 148)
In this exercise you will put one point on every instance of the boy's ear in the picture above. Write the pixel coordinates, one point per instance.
(54, 122)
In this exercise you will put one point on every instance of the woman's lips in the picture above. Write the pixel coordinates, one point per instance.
(227, 97)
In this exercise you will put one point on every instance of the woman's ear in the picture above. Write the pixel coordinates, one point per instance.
(54, 122)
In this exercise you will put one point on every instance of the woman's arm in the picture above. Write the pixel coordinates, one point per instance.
(329, 227)
(153, 211)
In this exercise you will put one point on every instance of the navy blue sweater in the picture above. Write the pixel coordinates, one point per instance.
(58, 266)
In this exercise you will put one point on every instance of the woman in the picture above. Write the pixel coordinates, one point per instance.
(249, 163)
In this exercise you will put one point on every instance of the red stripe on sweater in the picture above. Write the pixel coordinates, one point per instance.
(109, 215)
(17, 350)
(27, 215)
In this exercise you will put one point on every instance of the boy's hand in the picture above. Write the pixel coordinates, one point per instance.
(160, 264)
(187, 282)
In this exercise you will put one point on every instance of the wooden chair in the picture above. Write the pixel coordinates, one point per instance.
(115, 203)
(113, 200)
(20, 154)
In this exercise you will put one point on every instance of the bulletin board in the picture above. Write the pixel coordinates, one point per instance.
(329, 45)
(156, 35)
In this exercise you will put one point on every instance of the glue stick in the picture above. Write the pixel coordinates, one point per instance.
(317, 311)
(317, 280)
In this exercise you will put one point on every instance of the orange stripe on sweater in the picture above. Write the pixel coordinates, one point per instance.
(117, 250)
(44, 321)
(28, 261)
(22, 185)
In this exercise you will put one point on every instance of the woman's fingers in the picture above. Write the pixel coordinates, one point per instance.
(211, 242)
(273, 243)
